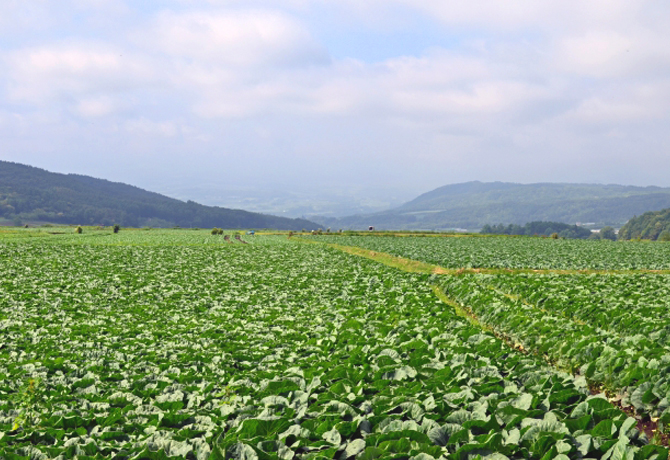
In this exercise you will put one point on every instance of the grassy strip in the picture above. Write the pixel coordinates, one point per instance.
(464, 312)
(415, 266)
(461, 311)
(407, 265)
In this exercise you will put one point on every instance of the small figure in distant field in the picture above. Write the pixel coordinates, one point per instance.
(371, 228)
(227, 238)
(290, 234)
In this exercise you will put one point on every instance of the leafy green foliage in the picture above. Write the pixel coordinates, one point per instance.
(649, 225)
(607, 233)
(610, 328)
(177, 344)
(539, 228)
(519, 252)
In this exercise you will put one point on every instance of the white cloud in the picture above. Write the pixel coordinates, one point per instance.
(607, 54)
(619, 108)
(145, 126)
(236, 39)
(88, 79)
(17, 15)
(96, 107)
(235, 63)
(518, 15)
(510, 78)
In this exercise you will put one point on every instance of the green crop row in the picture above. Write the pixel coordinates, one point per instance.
(517, 253)
(150, 348)
(626, 304)
(635, 365)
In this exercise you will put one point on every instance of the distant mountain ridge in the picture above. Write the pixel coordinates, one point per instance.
(471, 205)
(32, 194)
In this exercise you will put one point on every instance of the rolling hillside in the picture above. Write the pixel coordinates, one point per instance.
(653, 225)
(472, 205)
(33, 194)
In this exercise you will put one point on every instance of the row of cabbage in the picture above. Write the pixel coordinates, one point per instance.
(631, 361)
(271, 350)
(627, 304)
(517, 253)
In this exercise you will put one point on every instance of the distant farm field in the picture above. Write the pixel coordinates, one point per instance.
(180, 344)
(518, 252)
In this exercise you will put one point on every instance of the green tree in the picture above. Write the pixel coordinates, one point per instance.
(607, 233)
(664, 236)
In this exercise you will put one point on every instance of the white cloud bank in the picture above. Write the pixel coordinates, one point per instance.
(527, 90)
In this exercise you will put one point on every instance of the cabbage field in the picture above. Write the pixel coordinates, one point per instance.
(178, 344)
(517, 252)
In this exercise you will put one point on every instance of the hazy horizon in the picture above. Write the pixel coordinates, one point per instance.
(377, 101)
(323, 202)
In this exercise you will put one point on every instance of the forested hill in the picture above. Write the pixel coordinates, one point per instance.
(650, 226)
(472, 205)
(33, 194)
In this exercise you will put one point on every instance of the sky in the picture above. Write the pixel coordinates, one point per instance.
(384, 98)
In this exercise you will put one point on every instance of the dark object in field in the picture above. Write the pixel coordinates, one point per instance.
(116, 228)
(371, 228)
(239, 238)
(227, 238)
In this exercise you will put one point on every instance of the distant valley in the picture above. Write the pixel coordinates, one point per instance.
(471, 205)
(29, 194)
(290, 200)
